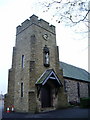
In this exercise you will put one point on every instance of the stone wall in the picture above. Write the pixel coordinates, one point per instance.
(71, 87)
(34, 20)
(30, 43)
(27, 62)
(83, 89)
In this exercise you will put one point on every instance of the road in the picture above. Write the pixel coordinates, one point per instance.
(75, 112)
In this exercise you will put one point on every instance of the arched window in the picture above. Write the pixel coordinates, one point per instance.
(46, 56)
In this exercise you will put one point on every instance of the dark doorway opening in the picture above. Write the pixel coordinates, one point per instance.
(46, 96)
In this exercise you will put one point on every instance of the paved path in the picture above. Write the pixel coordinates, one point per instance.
(63, 113)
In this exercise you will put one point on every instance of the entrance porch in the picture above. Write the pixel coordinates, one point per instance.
(47, 90)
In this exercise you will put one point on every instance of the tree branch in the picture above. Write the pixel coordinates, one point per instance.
(68, 10)
(80, 19)
(53, 3)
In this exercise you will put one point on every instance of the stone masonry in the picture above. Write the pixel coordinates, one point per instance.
(73, 92)
(27, 66)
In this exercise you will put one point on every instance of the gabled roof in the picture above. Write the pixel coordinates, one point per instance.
(48, 74)
(73, 72)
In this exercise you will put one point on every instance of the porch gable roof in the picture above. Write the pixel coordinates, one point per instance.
(48, 75)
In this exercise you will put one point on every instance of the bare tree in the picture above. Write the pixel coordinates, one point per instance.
(69, 11)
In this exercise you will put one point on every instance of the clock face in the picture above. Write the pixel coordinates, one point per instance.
(45, 36)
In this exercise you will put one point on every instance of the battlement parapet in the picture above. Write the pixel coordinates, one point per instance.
(34, 20)
(25, 22)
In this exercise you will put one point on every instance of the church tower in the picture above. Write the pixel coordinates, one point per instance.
(35, 81)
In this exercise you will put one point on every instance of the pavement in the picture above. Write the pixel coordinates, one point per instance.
(74, 112)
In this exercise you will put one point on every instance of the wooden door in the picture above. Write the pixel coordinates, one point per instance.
(45, 96)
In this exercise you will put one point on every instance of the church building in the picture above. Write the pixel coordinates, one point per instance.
(35, 80)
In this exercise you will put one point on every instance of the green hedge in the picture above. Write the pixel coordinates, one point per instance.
(85, 102)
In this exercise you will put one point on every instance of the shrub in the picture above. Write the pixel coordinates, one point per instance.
(85, 102)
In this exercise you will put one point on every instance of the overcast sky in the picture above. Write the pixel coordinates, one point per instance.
(73, 47)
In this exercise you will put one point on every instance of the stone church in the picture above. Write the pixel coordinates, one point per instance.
(35, 80)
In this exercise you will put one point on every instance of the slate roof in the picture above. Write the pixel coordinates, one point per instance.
(73, 72)
(46, 76)
(43, 76)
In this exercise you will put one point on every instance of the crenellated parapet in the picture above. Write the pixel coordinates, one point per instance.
(34, 20)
